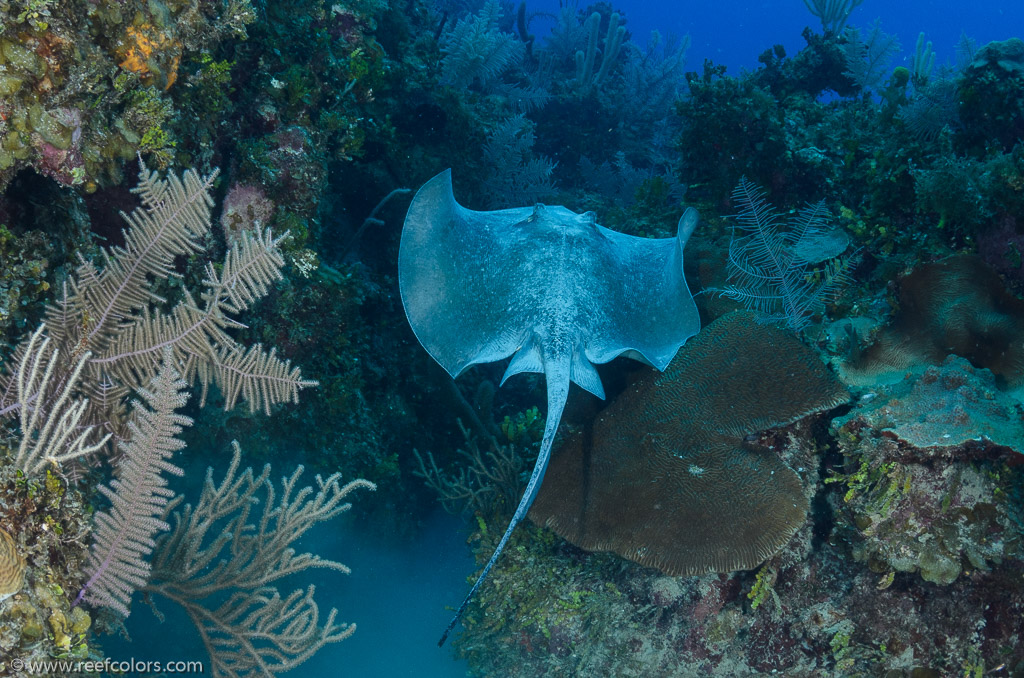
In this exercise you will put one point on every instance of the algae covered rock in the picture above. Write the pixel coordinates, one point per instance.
(929, 464)
(1006, 54)
(46, 523)
(945, 407)
(84, 85)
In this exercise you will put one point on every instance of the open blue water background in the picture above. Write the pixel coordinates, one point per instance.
(736, 33)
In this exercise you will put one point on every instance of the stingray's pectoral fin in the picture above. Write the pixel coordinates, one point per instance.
(557, 374)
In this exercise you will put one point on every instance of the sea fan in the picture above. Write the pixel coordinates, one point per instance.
(772, 271)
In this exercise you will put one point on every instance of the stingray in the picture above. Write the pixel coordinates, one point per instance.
(547, 286)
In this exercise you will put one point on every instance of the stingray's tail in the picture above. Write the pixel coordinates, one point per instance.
(558, 392)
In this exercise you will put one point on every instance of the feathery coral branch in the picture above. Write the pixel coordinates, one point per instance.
(771, 271)
(50, 432)
(108, 311)
(124, 535)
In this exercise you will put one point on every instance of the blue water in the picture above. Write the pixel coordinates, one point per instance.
(398, 595)
(736, 33)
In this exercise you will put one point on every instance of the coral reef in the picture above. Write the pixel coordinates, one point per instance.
(914, 493)
(105, 324)
(991, 98)
(907, 551)
(87, 86)
(23, 278)
(949, 405)
(813, 610)
(927, 477)
(104, 316)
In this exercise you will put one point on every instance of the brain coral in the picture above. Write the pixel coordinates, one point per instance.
(958, 305)
(664, 477)
(12, 567)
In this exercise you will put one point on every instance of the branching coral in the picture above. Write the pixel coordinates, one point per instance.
(50, 434)
(124, 534)
(833, 13)
(518, 176)
(492, 479)
(475, 50)
(220, 565)
(105, 332)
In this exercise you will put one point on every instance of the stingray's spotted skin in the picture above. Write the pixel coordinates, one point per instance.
(549, 287)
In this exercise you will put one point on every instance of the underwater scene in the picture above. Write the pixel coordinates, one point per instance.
(448, 338)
